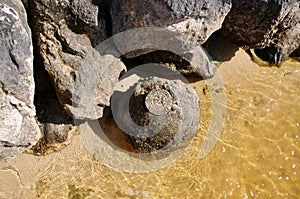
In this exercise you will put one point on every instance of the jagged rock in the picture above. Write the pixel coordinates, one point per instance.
(156, 113)
(66, 32)
(279, 51)
(81, 16)
(273, 25)
(138, 46)
(199, 19)
(195, 20)
(18, 127)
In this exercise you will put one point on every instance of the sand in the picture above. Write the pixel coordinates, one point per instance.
(257, 154)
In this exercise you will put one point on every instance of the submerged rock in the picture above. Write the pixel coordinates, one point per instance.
(272, 27)
(159, 104)
(18, 127)
(156, 113)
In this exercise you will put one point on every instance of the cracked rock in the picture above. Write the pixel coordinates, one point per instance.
(66, 32)
(198, 19)
(194, 20)
(18, 127)
(156, 113)
(272, 27)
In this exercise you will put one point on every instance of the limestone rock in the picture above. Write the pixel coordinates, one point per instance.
(199, 19)
(18, 127)
(80, 15)
(66, 32)
(273, 25)
(139, 46)
(194, 20)
(279, 51)
(156, 113)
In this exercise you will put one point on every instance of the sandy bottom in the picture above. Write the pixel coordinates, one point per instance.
(257, 156)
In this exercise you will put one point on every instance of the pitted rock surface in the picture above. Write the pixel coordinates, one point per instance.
(270, 26)
(172, 124)
(18, 127)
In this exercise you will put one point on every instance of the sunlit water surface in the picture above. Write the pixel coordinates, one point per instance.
(257, 156)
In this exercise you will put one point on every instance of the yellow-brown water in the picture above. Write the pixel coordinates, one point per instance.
(257, 156)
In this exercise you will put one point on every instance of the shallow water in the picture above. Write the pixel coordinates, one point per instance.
(257, 156)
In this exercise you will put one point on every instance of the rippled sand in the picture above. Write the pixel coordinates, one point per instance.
(257, 156)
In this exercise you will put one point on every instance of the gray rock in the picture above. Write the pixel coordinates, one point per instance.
(18, 127)
(279, 51)
(199, 19)
(56, 133)
(81, 16)
(194, 20)
(66, 32)
(156, 113)
(140, 46)
(273, 25)
(170, 106)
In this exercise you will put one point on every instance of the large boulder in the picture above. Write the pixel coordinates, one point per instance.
(282, 47)
(194, 20)
(66, 32)
(272, 26)
(18, 127)
(198, 19)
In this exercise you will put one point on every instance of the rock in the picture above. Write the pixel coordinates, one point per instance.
(277, 52)
(199, 19)
(175, 52)
(164, 109)
(272, 26)
(18, 127)
(56, 133)
(156, 113)
(81, 16)
(66, 32)
(194, 20)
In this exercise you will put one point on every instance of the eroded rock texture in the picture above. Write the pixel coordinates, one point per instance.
(287, 43)
(18, 127)
(157, 113)
(66, 32)
(170, 106)
(271, 26)
(194, 20)
(199, 19)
